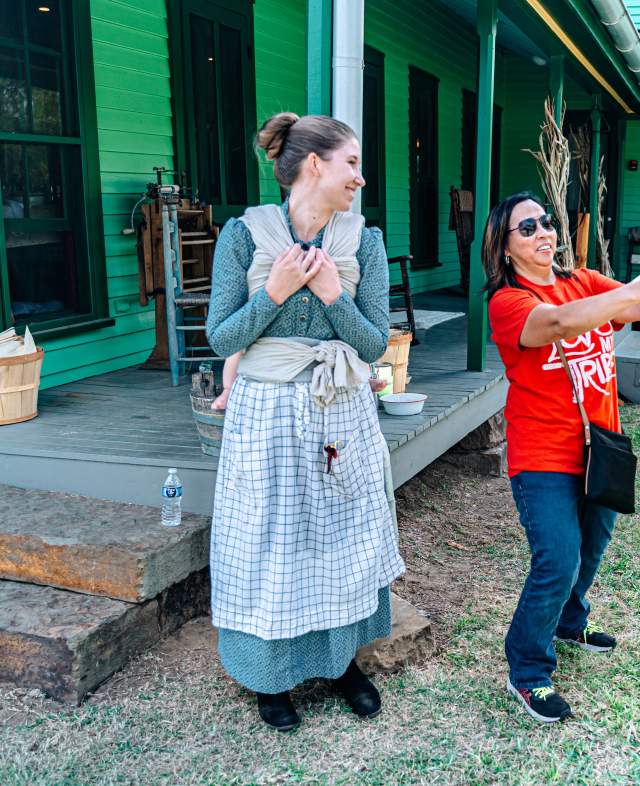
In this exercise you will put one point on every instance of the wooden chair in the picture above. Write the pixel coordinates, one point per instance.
(633, 238)
(403, 290)
(461, 222)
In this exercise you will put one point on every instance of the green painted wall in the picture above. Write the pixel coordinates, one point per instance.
(280, 52)
(134, 126)
(633, 7)
(410, 33)
(132, 74)
(631, 195)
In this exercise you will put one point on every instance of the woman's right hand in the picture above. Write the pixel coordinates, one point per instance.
(291, 271)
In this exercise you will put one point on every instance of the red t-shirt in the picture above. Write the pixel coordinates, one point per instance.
(544, 429)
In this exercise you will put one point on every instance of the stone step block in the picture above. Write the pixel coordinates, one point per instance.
(67, 643)
(411, 641)
(117, 550)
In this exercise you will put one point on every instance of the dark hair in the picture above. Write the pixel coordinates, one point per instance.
(288, 140)
(494, 241)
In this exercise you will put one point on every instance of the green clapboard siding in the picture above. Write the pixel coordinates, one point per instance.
(280, 52)
(131, 60)
(132, 74)
(631, 195)
(425, 35)
(525, 93)
(633, 6)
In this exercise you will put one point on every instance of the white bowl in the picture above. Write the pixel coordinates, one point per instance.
(403, 403)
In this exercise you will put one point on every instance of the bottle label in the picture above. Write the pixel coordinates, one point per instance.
(171, 491)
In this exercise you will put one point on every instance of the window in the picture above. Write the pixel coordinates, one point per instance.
(214, 95)
(423, 167)
(373, 139)
(469, 133)
(46, 279)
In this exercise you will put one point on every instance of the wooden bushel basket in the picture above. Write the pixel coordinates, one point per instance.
(397, 353)
(19, 383)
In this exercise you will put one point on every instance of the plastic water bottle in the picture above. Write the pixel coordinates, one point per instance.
(172, 499)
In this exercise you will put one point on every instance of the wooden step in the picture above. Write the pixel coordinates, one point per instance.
(66, 644)
(98, 547)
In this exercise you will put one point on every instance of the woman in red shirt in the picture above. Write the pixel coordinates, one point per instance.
(532, 304)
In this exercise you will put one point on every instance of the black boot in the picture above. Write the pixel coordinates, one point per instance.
(361, 694)
(276, 710)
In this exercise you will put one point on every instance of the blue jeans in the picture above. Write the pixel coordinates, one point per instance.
(567, 536)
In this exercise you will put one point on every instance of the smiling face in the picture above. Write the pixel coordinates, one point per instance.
(339, 176)
(532, 257)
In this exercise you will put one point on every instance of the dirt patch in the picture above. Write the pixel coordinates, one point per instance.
(450, 521)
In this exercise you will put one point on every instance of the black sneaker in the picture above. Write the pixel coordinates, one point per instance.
(277, 710)
(592, 638)
(543, 704)
(361, 694)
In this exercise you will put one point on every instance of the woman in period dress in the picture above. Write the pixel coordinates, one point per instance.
(303, 547)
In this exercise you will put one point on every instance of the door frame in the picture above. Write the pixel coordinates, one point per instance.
(433, 240)
(185, 148)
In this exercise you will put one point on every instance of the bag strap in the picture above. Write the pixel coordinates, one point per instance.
(583, 414)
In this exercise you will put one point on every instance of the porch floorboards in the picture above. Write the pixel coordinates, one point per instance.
(113, 436)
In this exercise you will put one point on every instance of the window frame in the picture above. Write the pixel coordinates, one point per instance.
(375, 59)
(185, 146)
(81, 94)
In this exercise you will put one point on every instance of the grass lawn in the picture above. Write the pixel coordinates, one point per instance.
(172, 717)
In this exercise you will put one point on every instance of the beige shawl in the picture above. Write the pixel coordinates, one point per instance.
(282, 359)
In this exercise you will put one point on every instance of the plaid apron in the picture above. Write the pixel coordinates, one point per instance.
(294, 547)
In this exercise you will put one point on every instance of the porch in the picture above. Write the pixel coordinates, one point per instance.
(113, 436)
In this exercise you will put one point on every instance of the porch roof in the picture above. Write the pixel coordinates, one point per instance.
(522, 31)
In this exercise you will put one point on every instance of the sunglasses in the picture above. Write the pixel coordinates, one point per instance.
(527, 227)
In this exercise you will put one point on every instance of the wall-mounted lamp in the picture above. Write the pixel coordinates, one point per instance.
(539, 61)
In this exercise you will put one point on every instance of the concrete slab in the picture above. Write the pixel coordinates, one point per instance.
(118, 550)
(66, 644)
(628, 366)
(411, 641)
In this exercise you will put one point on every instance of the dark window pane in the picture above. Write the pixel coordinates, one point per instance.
(42, 275)
(13, 91)
(45, 181)
(43, 23)
(46, 89)
(12, 179)
(233, 119)
(11, 20)
(370, 123)
(206, 110)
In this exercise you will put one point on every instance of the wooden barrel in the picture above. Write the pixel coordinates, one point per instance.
(397, 354)
(19, 383)
(209, 423)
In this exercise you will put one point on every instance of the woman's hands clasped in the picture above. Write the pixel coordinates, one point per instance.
(295, 268)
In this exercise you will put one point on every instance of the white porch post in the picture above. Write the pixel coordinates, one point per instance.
(348, 66)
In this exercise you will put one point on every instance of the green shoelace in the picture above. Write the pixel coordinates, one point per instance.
(542, 693)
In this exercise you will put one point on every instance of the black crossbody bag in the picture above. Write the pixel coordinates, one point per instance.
(610, 463)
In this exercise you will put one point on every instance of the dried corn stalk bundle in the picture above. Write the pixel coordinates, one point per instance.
(582, 155)
(553, 161)
(602, 245)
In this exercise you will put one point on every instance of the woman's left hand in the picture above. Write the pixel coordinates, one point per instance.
(326, 282)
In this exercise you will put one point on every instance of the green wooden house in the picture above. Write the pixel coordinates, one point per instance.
(95, 93)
